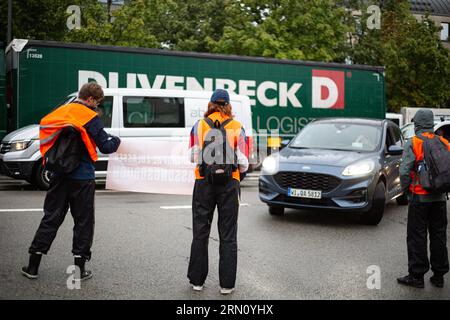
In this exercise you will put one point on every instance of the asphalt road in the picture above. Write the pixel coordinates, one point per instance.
(141, 251)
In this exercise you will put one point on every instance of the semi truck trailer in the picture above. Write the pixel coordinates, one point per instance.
(285, 94)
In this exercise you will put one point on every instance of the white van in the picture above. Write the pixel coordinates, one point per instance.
(127, 113)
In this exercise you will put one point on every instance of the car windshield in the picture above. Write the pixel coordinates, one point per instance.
(338, 136)
(408, 131)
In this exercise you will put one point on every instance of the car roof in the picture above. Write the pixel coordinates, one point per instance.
(441, 124)
(363, 121)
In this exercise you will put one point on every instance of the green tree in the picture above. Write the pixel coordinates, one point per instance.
(129, 26)
(35, 19)
(288, 29)
(190, 25)
(417, 65)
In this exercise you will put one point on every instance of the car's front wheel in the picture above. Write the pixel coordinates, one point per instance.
(374, 216)
(41, 176)
(276, 211)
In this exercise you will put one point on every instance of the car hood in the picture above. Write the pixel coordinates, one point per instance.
(25, 133)
(323, 157)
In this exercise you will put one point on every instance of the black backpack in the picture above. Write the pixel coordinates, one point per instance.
(65, 154)
(219, 159)
(434, 169)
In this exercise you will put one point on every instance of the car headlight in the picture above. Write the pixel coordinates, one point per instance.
(359, 168)
(20, 145)
(270, 165)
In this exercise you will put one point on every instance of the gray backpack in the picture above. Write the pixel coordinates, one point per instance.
(434, 169)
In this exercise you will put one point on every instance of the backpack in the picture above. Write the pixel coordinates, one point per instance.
(65, 154)
(219, 159)
(434, 169)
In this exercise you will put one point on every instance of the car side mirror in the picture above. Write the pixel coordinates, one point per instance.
(284, 143)
(395, 150)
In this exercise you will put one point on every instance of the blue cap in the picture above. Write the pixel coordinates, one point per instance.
(220, 94)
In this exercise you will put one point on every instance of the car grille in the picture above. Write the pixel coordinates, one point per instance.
(5, 147)
(305, 180)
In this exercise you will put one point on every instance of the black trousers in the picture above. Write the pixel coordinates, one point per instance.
(204, 201)
(65, 193)
(424, 218)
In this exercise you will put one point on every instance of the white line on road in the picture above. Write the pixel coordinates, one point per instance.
(21, 210)
(189, 207)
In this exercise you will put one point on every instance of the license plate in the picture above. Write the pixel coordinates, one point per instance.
(302, 193)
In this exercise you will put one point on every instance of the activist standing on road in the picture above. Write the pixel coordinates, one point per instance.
(218, 145)
(427, 211)
(69, 137)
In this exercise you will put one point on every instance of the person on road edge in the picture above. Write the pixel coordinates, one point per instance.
(216, 185)
(427, 212)
(76, 189)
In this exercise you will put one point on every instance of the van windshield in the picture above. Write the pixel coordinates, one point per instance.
(338, 136)
(66, 100)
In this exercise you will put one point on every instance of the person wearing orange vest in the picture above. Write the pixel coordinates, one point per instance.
(427, 212)
(75, 189)
(207, 195)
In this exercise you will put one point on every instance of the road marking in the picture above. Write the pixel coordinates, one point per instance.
(189, 207)
(175, 207)
(21, 210)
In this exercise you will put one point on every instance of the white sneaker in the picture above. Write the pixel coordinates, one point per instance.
(197, 288)
(226, 290)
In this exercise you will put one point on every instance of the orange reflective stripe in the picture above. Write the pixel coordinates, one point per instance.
(445, 141)
(72, 114)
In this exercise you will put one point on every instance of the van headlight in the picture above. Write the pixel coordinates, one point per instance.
(20, 145)
(270, 165)
(359, 168)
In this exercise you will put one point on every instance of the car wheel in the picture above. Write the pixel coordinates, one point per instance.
(276, 211)
(42, 177)
(374, 216)
(402, 200)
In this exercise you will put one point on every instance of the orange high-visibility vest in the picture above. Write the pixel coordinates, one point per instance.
(417, 147)
(233, 129)
(72, 114)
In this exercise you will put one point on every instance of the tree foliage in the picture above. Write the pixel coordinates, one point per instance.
(417, 64)
(287, 29)
(35, 19)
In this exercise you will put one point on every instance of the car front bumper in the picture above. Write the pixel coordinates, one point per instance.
(17, 170)
(350, 195)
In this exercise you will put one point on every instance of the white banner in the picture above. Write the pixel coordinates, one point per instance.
(143, 165)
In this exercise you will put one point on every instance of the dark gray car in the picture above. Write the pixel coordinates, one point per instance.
(343, 164)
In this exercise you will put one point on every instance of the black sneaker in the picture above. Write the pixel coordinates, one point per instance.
(87, 274)
(80, 263)
(28, 273)
(409, 280)
(437, 281)
(31, 271)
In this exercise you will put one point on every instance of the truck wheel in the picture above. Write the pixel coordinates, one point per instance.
(402, 200)
(374, 216)
(276, 211)
(42, 177)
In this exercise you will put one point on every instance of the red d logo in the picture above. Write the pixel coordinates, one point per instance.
(328, 89)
